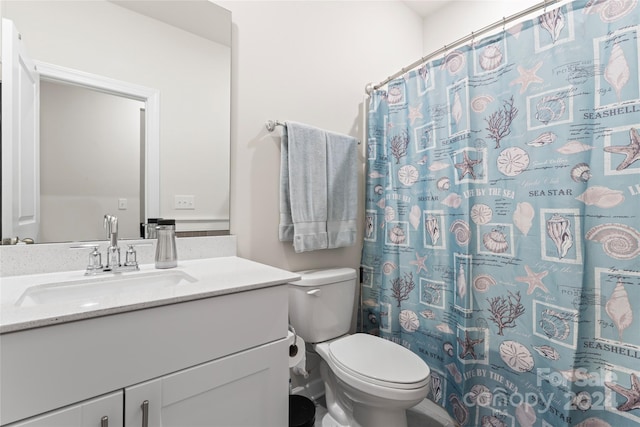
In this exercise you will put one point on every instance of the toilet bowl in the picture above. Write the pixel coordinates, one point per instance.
(369, 381)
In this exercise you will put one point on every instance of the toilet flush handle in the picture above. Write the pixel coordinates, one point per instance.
(314, 292)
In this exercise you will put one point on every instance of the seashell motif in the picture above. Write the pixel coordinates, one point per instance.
(526, 415)
(573, 147)
(619, 309)
(559, 230)
(370, 302)
(617, 71)
(601, 197)
(495, 241)
(444, 328)
(513, 161)
(582, 401)
(613, 10)
(491, 57)
(555, 325)
(593, 422)
(408, 175)
(443, 183)
(460, 411)
(483, 282)
(553, 22)
(581, 172)
(461, 232)
(481, 213)
(389, 213)
(523, 217)
(423, 160)
(516, 356)
(479, 103)
(456, 108)
(480, 395)
(461, 282)
(368, 226)
(578, 374)
(452, 200)
(397, 235)
(454, 62)
(414, 217)
(436, 166)
(516, 29)
(619, 241)
(388, 267)
(381, 203)
(436, 387)
(409, 320)
(395, 95)
(547, 351)
(376, 174)
(492, 421)
(428, 314)
(550, 108)
(448, 348)
(431, 293)
(544, 139)
(378, 189)
(433, 228)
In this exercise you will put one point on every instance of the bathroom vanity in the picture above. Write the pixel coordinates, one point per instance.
(205, 346)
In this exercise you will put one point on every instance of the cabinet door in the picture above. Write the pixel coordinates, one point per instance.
(249, 388)
(103, 411)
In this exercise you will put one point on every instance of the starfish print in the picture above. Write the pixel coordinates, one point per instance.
(534, 280)
(466, 166)
(631, 151)
(414, 113)
(419, 262)
(467, 345)
(632, 394)
(527, 76)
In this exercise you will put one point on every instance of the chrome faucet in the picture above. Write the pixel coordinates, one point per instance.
(113, 251)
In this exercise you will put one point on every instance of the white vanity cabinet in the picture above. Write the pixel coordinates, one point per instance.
(218, 361)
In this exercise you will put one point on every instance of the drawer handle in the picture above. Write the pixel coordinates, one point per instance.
(145, 413)
(314, 292)
(104, 422)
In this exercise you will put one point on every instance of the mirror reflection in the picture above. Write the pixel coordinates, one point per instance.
(91, 167)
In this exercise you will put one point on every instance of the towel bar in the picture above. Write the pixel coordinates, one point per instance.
(271, 126)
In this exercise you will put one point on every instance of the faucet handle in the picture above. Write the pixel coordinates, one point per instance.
(131, 258)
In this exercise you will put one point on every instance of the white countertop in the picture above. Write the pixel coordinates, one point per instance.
(214, 277)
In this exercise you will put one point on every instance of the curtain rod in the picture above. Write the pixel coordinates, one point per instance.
(370, 88)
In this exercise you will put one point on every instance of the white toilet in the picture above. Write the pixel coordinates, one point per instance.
(369, 381)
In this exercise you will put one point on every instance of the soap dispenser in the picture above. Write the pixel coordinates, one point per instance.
(166, 254)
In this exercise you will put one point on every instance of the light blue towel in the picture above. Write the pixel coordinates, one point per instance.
(285, 228)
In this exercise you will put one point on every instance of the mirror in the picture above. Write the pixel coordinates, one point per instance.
(182, 50)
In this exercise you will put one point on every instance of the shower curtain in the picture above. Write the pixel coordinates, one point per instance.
(502, 229)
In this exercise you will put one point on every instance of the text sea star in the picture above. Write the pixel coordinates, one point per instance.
(534, 280)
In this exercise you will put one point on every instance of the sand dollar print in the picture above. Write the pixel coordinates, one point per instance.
(409, 320)
(513, 161)
(516, 356)
(408, 175)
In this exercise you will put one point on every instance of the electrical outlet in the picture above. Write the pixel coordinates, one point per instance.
(184, 202)
(122, 204)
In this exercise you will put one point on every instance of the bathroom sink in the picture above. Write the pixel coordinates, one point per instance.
(90, 292)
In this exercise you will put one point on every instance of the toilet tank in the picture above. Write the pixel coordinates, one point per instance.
(321, 303)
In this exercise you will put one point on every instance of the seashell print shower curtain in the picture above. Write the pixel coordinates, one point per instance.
(502, 228)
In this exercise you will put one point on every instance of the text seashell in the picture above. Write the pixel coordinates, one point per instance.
(452, 200)
(456, 108)
(389, 213)
(573, 147)
(453, 62)
(544, 139)
(547, 351)
(601, 197)
(619, 241)
(436, 166)
(388, 267)
(495, 241)
(581, 172)
(550, 108)
(433, 228)
(443, 183)
(559, 230)
(483, 282)
(461, 232)
(617, 72)
(481, 213)
(516, 356)
(619, 309)
(479, 103)
(409, 320)
(553, 22)
(513, 161)
(526, 415)
(414, 217)
(408, 175)
(491, 57)
(397, 235)
(523, 217)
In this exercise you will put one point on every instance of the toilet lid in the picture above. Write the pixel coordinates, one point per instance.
(379, 361)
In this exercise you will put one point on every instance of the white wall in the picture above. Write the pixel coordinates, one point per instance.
(309, 62)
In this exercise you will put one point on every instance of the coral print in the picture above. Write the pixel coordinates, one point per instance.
(502, 220)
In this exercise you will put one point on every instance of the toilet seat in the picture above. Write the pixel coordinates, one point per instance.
(377, 361)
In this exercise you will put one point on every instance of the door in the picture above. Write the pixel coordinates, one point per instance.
(20, 138)
(103, 411)
(248, 389)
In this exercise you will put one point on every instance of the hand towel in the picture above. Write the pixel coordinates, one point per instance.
(307, 160)
(342, 189)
